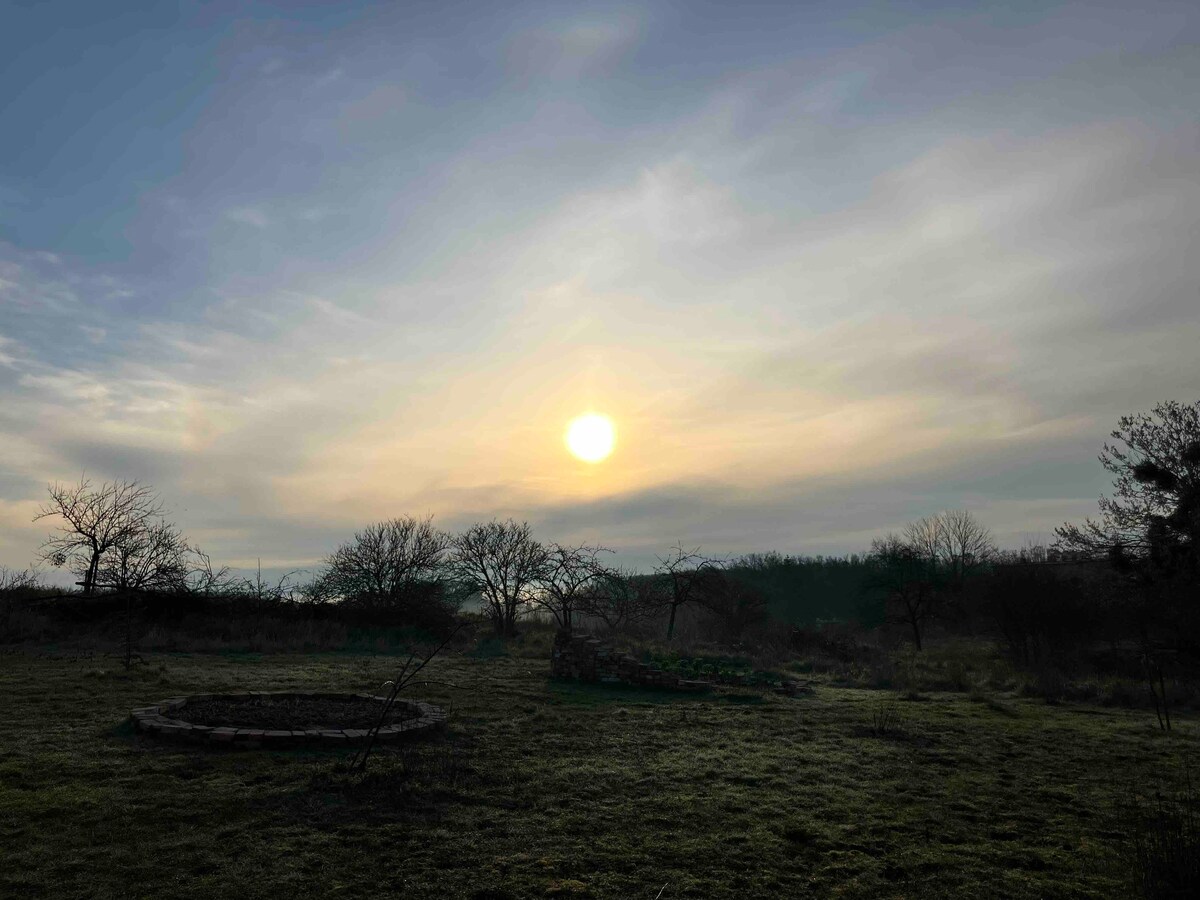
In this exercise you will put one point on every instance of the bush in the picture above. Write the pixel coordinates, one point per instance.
(1040, 614)
(887, 720)
(489, 647)
(1046, 682)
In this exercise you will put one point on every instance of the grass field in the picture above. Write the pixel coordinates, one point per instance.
(543, 789)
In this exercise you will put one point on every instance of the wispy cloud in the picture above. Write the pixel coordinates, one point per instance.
(821, 292)
(572, 49)
(248, 215)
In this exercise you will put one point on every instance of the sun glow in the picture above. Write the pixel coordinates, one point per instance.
(591, 437)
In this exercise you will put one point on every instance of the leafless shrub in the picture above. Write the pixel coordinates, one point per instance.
(17, 587)
(418, 659)
(1162, 835)
(887, 720)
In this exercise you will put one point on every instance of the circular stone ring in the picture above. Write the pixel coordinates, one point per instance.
(161, 720)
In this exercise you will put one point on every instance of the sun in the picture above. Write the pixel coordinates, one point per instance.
(590, 437)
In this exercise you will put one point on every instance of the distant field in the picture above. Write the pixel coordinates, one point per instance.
(544, 789)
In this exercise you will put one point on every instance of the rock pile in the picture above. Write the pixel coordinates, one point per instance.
(587, 658)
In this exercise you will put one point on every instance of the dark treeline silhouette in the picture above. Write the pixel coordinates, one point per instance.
(1117, 594)
(810, 590)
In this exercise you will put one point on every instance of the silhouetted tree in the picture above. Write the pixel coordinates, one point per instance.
(910, 580)
(623, 600)
(503, 562)
(387, 563)
(1155, 505)
(735, 605)
(97, 520)
(966, 544)
(1039, 611)
(808, 589)
(954, 540)
(683, 572)
(154, 558)
(568, 579)
(205, 580)
(1150, 532)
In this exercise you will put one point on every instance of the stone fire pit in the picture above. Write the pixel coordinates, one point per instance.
(279, 720)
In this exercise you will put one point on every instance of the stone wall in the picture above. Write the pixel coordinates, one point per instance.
(587, 658)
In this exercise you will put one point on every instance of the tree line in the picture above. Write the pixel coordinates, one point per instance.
(1129, 575)
(115, 539)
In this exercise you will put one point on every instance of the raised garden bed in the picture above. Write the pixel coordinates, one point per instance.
(259, 719)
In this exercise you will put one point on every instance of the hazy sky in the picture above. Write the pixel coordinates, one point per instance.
(303, 266)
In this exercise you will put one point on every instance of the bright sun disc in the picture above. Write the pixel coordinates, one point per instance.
(591, 437)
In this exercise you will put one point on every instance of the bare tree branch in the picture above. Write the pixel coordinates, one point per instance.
(503, 562)
(99, 521)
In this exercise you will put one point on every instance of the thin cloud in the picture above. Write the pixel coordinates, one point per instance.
(821, 293)
(248, 215)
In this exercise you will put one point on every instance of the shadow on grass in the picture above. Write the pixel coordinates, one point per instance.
(582, 693)
(412, 783)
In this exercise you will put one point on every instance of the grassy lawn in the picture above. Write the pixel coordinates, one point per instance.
(548, 789)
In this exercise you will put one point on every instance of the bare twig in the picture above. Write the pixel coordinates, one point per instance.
(408, 673)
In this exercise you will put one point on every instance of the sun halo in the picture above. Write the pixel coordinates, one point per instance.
(591, 437)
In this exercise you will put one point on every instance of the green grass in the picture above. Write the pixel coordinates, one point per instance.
(549, 789)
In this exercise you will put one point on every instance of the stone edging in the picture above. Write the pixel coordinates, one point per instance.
(156, 720)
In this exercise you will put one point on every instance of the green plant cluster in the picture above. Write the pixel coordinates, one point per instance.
(714, 667)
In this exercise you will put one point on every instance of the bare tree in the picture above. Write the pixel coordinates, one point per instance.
(96, 520)
(317, 591)
(684, 573)
(926, 538)
(569, 578)
(623, 599)
(503, 562)
(385, 562)
(951, 544)
(966, 543)
(735, 605)
(909, 579)
(205, 580)
(153, 558)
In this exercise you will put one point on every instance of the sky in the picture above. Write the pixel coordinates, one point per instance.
(828, 267)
